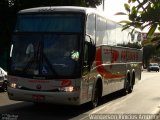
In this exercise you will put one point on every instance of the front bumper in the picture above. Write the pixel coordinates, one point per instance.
(68, 98)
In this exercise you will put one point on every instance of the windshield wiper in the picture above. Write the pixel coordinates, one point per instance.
(37, 60)
(36, 57)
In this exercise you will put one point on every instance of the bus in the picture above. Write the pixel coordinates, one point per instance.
(71, 55)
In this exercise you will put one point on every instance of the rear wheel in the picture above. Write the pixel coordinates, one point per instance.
(132, 83)
(127, 87)
(130, 88)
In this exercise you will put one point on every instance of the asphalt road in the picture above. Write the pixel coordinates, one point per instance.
(143, 103)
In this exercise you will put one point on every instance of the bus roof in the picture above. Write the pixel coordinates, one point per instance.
(51, 9)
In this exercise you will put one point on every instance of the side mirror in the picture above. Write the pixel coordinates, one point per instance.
(92, 53)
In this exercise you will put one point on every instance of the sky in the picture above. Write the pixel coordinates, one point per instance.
(113, 6)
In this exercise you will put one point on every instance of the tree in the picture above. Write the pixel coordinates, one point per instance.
(143, 14)
(7, 21)
(148, 52)
(22, 4)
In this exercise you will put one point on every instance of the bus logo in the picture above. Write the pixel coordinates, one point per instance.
(66, 82)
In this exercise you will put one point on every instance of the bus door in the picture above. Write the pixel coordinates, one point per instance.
(88, 58)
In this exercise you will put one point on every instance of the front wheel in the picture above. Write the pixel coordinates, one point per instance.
(95, 97)
(4, 86)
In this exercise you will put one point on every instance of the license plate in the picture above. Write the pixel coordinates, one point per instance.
(38, 97)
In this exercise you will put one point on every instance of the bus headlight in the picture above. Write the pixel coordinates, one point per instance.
(66, 89)
(69, 88)
(13, 85)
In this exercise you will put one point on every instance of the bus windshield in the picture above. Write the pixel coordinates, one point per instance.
(45, 54)
(46, 45)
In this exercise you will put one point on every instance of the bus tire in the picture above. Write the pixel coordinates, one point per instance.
(4, 86)
(132, 83)
(126, 88)
(95, 97)
(130, 88)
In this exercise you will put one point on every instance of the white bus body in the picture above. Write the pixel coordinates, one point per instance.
(105, 58)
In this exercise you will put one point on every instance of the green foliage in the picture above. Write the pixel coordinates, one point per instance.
(93, 3)
(36, 3)
(7, 18)
(143, 14)
(131, 45)
(127, 8)
(148, 52)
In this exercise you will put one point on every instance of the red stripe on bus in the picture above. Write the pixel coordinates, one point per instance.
(101, 69)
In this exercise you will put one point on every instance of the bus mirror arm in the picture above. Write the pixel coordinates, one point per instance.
(92, 48)
(92, 52)
(89, 39)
